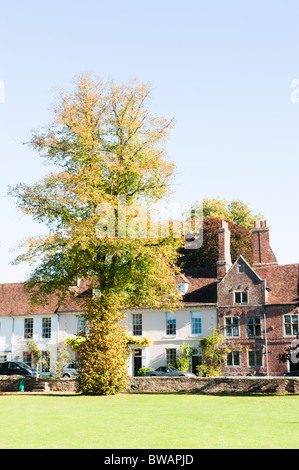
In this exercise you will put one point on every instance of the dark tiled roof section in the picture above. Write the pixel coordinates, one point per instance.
(203, 285)
(283, 280)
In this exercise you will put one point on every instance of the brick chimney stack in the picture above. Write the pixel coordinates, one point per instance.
(262, 251)
(224, 259)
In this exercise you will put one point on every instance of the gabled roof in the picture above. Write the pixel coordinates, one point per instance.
(282, 281)
(241, 260)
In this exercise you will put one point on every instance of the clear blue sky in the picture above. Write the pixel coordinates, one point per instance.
(223, 69)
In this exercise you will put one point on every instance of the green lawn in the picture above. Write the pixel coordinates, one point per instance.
(148, 421)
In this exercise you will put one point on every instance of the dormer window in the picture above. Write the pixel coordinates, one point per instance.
(183, 288)
(241, 297)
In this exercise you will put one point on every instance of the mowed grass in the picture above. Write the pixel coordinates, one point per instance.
(149, 421)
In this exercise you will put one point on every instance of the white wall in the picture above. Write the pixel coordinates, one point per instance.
(65, 324)
(154, 327)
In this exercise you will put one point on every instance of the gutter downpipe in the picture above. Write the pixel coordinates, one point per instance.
(266, 342)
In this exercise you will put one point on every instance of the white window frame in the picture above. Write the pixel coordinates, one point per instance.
(255, 351)
(170, 323)
(255, 325)
(46, 327)
(232, 326)
(291, 324)
(196, 316)
(241, 292)
(29, 334)
(170, 355)
(233, 361)
(137, 324)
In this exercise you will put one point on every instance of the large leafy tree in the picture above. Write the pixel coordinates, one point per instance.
(240, 220)
(236, 211)
(207, 254)
(103, 143)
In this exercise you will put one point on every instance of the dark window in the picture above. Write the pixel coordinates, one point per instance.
(254, 326)
(291, 325)
(232, 326)
(255, 358)
(233, 358)
(241, 297)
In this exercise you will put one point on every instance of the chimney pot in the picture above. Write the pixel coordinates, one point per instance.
(262, 251)
(224, 258)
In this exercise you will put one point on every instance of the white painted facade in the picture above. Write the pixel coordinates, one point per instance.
(154, 325)
(164, 339)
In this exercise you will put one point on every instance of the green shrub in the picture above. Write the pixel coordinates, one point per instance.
(143, 370)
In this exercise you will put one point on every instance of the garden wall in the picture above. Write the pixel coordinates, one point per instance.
(215, 385)
(198, 385)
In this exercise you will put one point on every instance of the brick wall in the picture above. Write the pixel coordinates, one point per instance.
(199, 385)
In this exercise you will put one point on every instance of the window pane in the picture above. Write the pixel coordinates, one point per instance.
(46, 328)
(81, 326)
(232, 326)
(288, 329)
(238, 297)
(236, 356)
(137, 324)
(28, 327)
(195, 323)
(251, 358)
(170, 324)
(170, 355)
(258, 355)
(258, 330)
(27, 358)
(45, 357)
(228, 331)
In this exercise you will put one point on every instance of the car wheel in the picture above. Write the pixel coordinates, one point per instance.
(152, 375)
(66, 376)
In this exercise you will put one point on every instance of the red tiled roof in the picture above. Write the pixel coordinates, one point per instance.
(283, 280)
(14, 300)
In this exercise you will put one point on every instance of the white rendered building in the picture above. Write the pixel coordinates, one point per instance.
(49, 326)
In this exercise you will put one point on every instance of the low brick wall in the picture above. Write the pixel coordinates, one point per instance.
(215, 385)
(198, 385)
(10, 383)
(59, 385)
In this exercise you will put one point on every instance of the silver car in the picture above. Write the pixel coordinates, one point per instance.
(70, 370)
(168, 371)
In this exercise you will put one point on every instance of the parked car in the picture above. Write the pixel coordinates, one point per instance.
(70, 370)
(16, 368)
(170, 371)
(292, 373)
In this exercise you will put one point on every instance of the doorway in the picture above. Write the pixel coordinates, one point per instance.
(137, 361)
(196, 361)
